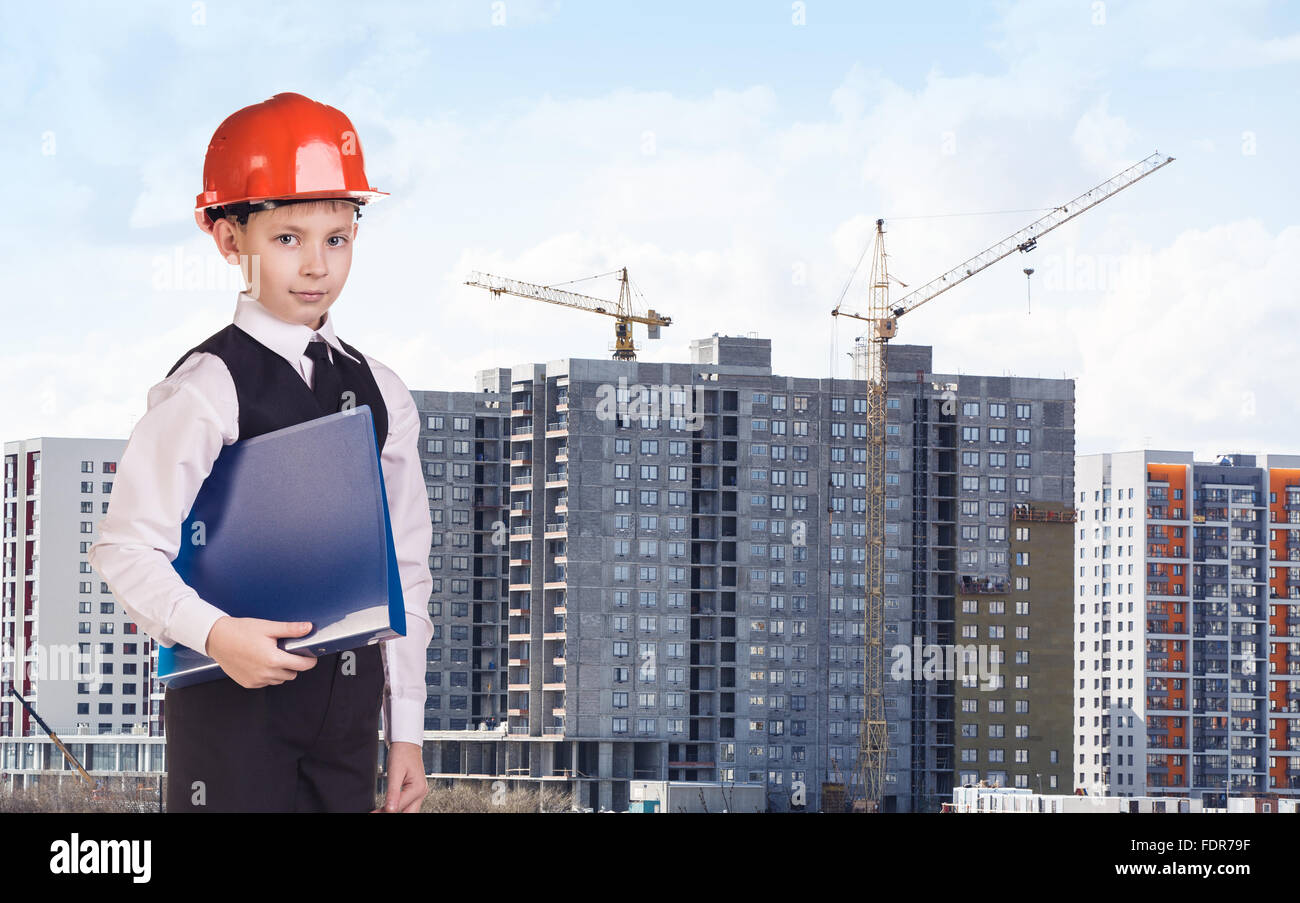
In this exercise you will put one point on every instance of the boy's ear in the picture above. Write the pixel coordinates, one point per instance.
(223, 233)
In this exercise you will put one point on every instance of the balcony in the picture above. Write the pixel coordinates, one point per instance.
(984, 585)
(1030, 513)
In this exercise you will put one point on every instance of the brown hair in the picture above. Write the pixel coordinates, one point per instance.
(238, 214)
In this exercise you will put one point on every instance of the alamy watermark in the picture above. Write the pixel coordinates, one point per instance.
(57, 661)
(189, 272)
(677, 404)
(969, 663)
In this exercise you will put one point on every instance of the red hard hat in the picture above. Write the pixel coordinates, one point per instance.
(288, 147)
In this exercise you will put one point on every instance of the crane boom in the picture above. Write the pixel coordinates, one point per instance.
(67, 753)
(873, 737)
(622, 311)
(1027, 238)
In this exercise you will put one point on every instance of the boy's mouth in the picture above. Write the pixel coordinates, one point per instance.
(310, 297)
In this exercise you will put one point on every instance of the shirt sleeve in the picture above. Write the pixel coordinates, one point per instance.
(191, 415)
(408, 509)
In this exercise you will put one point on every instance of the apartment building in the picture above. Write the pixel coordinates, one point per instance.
(65, 644)
(465, 452)
(681, 594)
(1188, 625)
(967, 449)
(1015, 715)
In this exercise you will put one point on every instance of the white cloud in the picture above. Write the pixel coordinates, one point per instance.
(1221, 52)
(1198, 361)
(1104, 140)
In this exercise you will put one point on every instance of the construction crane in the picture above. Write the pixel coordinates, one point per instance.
(882, 319)
(833, 791)
(95, 785)
(622, 310)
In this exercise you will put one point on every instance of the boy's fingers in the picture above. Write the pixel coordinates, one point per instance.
(286, 628)
(394, 795)
(413, 798)
(294, 662)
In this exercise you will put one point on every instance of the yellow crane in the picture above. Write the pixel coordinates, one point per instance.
(621, 310)
(96, 786)
(882, 319)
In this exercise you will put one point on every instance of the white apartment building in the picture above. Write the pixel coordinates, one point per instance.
(65, 644)
(1187, 630)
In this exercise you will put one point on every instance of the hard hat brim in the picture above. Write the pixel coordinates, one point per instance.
(361, 197)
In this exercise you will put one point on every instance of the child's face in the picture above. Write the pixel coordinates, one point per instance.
(302, 254)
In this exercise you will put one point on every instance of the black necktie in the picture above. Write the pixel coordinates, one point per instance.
(326, 382)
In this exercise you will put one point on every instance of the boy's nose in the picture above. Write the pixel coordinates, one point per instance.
(313, 263)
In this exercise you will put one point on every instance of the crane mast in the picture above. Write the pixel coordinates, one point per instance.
(882, 319)
(873, 737)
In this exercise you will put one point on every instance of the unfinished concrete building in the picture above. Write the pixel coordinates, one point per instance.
(654, 571)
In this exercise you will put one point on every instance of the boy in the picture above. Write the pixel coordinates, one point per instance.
(279, 731)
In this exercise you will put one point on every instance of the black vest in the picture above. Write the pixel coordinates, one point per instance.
(272, 394)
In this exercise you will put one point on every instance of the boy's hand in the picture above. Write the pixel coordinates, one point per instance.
(246, 650)
(407, 785)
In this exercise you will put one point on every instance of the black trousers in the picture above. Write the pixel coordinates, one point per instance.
(309, 744)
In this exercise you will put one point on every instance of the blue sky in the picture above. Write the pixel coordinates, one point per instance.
(733, 159)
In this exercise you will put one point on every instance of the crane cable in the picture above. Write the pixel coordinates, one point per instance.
(585, 278)
(976, 213)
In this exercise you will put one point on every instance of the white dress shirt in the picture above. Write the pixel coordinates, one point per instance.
(193, 413)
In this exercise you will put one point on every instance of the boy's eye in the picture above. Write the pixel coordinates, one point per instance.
(337, 241)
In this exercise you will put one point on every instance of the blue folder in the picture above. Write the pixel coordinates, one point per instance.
(293, 525)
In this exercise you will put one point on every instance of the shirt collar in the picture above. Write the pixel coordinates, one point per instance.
(284, 338)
